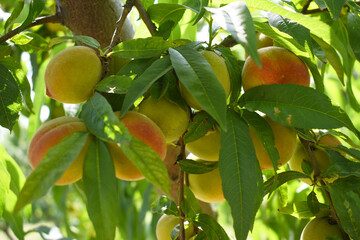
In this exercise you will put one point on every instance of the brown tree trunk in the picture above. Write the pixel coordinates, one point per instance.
(94, 18)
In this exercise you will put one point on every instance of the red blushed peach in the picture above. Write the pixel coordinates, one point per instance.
(147, 131)
(53, 133)
(279, 66)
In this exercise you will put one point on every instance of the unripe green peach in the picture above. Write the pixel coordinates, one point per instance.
(144, 129)
(53, 133)
(206, 147)
(320, 229)
(279, 66)
(285, 143)
(207, 186)
(72, 74)
(218, 64)
(166, 224)
(322, 159)
(172, 119)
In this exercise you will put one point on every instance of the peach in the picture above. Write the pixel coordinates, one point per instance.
(279, 66)
(53, 133)
(172, 119)
(321, 229)
(207, 186)
(285, 143)
(144, 129)
(322, 159)
(166, 224)
(71, 75)
(206, 147)
(218, 64)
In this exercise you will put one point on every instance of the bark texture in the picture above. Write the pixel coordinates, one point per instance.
(94, 18)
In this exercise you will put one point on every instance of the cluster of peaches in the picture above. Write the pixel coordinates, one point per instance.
(71, 77)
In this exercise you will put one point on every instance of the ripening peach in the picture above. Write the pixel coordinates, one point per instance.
(71, 75)
(144, 129)
(53, 133)
(285, 143)
(279, 66)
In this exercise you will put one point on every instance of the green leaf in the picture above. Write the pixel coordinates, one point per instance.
(190, 205)
(50, 169)
(142, 48)
(334, 7)
(36, 6)
(143, 82)
(354, 33)
(196, 74)
(4, 184)
(340, 166)
(100, 187)
(148, 162)
(332, 57)
(10, 99)
(136, 66)
(264, 133)
(21, 79)
(30, 42)
(87, 40)
(294, 29)
(347, 207)
(281, 178)
(163, 12)
(313, 203)
(301, 210)
(15, 220)
(234, 71)
(14, 15)
(197, 167)
(164, 205)
(102, 122)
(114, 84)
(236, 19)
(197, 6)
(296, 106)
(202, 123)
(238, 170)
(210, 226)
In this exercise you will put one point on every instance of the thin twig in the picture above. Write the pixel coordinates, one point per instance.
(41, 20)
(119, 25)
(306, 6)
(181, 190)
(145, 17)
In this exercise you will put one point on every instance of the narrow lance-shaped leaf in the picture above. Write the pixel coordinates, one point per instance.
(238, 170)
(210, 226)
(264, 133)
(236, 19)
(347, 206)
(50, 169)
(100, 187)
(4, 184)
(36, 6)
(196, 74)
(143, 82)
(280, 179)
(10, 99)
(142, 47)
(296, 106)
